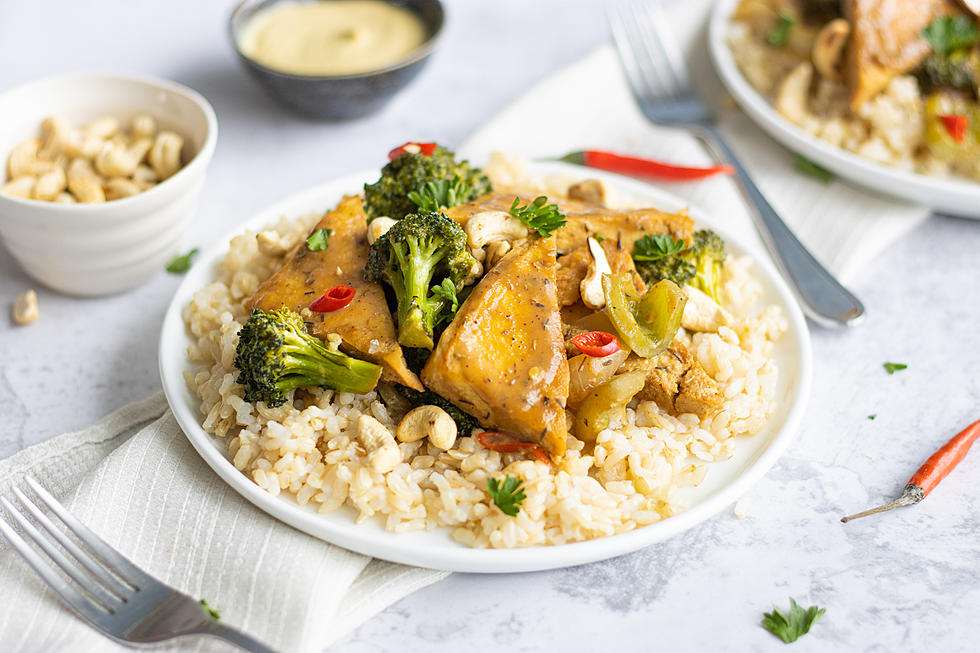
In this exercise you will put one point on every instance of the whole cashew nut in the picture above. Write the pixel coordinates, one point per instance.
(828, 49)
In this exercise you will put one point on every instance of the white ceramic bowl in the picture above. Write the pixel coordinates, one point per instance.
(98, 249)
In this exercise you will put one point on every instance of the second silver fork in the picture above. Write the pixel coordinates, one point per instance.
(659, 80)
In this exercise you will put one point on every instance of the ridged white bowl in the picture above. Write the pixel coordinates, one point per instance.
(98, 249)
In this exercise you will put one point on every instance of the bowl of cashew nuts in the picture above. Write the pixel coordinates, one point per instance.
(101, 177)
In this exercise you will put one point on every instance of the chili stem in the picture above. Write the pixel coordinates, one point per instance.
(911, 496)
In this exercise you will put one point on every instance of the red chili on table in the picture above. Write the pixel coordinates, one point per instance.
(934, 470)
(956, 124)
(507, 443)
(420, 148)
(596, 343)
(334, 299)
(629, 165)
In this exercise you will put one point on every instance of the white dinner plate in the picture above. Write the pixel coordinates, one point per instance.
(956, 196)
(725, 481)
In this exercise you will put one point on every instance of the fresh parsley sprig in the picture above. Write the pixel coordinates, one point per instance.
(539, 215)
(808, 167)
(318, 239)
(508, 495)
(435, 195)
(181, 264)
(654, 247)
(446, 291)
(789, 629)
(779, 35)
(891, 368)
(948, 33)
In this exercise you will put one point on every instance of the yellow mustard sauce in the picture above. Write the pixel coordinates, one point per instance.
(331, 37)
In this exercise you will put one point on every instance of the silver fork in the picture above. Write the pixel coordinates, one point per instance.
(658, 77)
(109, 591)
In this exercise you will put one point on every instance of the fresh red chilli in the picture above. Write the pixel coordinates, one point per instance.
(420, 148)
(596, 344)
(956, 124)
(334, 299)
(630, 165)
(507, 443)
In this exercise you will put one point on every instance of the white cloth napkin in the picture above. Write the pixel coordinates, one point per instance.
(134, 478)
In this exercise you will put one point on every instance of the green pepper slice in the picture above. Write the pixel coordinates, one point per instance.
(648, 322)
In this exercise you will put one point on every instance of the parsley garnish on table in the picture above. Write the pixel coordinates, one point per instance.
(181, 264)
(948, 33)
(808, 167)
(539, 215)
(508, 495)
(791, 628)
(872, 416)
(654, 247)
(318, 240)
(891, 368)
(214, 614)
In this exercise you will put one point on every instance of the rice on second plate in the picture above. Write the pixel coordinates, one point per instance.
(308, 446)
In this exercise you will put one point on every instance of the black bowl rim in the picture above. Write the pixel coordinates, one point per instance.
(421, 52)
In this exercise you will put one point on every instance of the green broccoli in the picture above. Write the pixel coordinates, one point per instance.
(958, 70)
(275, 354)
(410, 172)
(414, 257)
(697, 264)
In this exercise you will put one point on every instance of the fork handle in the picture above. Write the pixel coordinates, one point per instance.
(236, 637)
(822, 297)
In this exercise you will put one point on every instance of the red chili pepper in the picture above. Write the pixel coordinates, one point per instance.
(507, 443)
(629, 165)
(420, 148)
(596, 343)
(334, 299)
(956, 124)
(934, 470)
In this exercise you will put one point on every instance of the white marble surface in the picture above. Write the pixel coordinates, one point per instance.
(908, 580)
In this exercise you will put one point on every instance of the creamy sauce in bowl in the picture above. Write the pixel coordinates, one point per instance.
(331, 37)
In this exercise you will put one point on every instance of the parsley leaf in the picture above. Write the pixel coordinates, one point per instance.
(891, 368)
(872, 416)
(446, 291)
(796, 625)
(214, 614)
(181, 264)
(318, 240)
(435, 195)
(598, 238)
(948, 33)
(779, 35)
(654, 247)
(808, 167)
(508, 495)
(539, 215)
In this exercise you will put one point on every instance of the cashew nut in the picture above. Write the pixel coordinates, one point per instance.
(87, 190)
(591, 286)
(116, 161)
(270, 243)
(791, 97)
(430, 421)
(50, 184)
(165, 153)
(828, 48)
(379, 227)
(383, 452)
(64, 197)
(490, 226)
(701, 313)
(80, 168)
(144, 126)
(24, 160)
(145, 177)
(25, 310)
(22, 187)
(83, 145)
(105, 127)
(56, 133)
(117, 188)
(495, 251)
(588, 190)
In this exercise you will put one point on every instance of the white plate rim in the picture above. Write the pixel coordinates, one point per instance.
(389, 546)
(958, 196)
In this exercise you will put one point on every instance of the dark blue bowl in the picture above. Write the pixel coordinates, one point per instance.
(340, 97)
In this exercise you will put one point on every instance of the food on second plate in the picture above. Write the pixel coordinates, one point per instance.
(340, 37)
(895, 81)
(98, 162)
(519, 366)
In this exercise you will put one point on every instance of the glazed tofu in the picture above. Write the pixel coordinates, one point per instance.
(676, 381)
(502, 359)
(365, 325)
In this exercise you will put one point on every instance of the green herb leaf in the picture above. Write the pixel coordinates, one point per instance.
(779, 35)
(948, 33)
(539, 215)
(872, 416)
(654, 247)
(435, 195)
(446, 291)
(318, 240)
(796, 625)
(598, 238)
(891, 368)
(181, 264)
(808, 167)
(508, 495)
(214, 614)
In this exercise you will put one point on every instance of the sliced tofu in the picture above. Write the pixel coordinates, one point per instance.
(676, 381)
(365, 325)
(502, 359)
(886, 41)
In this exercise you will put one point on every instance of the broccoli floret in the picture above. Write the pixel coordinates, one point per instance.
(409, 172)
(414, 257)
(465, 423)
(958, 70)
(697, 264)
(275, 354)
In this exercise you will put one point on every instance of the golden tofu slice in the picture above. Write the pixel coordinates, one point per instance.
(676, 381)
(365, 325)
(502, 359)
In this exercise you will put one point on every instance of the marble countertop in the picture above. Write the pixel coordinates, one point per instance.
(905, 580)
